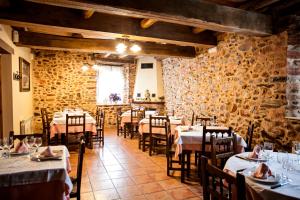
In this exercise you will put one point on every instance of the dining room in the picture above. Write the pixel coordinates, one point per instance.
(149, 99)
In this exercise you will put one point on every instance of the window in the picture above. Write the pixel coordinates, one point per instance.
(110, 80)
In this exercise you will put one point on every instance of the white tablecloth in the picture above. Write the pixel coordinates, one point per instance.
(20, 170)
(58, 124)
(126, 116)
(192, 139)
(290, 191)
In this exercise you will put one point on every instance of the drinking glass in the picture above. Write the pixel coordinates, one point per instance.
(30, 142)
(268, 149)
(7, 145)
(38, 143)
(1, 148)
(297, 150)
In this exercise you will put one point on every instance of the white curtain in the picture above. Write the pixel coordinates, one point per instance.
(110, 79)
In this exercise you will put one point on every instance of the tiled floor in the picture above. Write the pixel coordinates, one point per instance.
(120, 170)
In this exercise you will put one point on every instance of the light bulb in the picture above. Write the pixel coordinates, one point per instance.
(135, 48)
(84, 68)
(121, 48)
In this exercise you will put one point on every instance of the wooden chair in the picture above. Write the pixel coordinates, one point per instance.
(120, 129)
(207, 133)
(76, 122)
(157, 139)
(249, 136)
(136, 115)
(77, 181)
(46, 127)
(23, 136)
(213, 183)
(222, 149)
(100, 120)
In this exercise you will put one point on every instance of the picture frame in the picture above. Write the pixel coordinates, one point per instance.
(24, 68)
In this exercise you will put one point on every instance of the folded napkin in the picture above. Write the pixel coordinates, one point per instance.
(262, 171)
(47, 152)
(255, 152)
(21, 147)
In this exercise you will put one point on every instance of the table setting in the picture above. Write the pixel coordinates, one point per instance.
(25, 166)
(190, 138)
(58, 124)
(269, 174)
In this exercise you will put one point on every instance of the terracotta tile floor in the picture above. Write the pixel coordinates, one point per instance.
(119, 170)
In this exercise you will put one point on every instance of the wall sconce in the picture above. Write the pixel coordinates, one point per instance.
(16, 76)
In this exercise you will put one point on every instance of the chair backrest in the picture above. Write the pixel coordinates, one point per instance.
(75, 121)
(204, 121)
(213, 185)
(249, 136)
(23, 136)
(80, 164)
(46, 123)
(222, 149)
(136, 115)
(100, 118)
(157, 122)
(218, 132)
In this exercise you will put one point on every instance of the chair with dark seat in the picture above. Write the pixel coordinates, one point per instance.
(249, 136)
(75, 126)
(46, 127)
(202, 120)
(120, 129)
(222, 149)
(77, 181)
(217, 184)
(157, 132)
(100, 120)
(207, 142)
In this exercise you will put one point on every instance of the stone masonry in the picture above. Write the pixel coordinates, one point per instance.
(245, 80)
(59, 82)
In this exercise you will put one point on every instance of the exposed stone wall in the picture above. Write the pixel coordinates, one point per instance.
(241, 82)
(59, 82)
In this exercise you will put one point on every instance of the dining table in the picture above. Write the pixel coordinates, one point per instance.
(58, 124)
(260, 189)
(24, 178)
(190, 138)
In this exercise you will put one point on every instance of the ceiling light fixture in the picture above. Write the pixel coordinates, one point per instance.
(135, 48)
(121, 48)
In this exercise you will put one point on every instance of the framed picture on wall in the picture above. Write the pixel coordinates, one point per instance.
(24, 68)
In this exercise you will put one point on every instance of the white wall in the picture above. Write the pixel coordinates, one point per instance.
(19, 103)
(150, 79)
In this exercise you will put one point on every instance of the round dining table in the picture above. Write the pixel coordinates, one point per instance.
(258, 190)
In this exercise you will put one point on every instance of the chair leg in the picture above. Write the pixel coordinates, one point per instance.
(188, 164)
(168, 164)
(150, 147)
(125, 130)
(182, 167)
(144, 142)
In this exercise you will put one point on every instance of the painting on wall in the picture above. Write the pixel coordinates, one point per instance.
(24, 75)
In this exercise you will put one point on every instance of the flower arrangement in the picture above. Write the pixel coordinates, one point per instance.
(114, 97)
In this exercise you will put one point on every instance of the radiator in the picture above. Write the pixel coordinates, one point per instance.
(26, 126)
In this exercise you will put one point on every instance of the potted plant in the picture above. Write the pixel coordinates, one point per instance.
(114, 97)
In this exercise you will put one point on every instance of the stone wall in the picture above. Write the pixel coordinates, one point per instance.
(59, 82)
(241, 82)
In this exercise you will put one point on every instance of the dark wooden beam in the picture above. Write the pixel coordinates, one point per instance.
(291, 24)
(115, 60)
(88, 14)
(257, 4)
(45, 41)
(58, 19)
(195, 13)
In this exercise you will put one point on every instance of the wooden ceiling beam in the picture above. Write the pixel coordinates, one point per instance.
(54, 42)
(146, 23)
(195, 13)
(110, 26)
(257, 4)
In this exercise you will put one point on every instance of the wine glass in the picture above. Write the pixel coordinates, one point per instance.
(297, 150)
(30, 141)
(38, 143)
(268, 149)
(7, 145)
